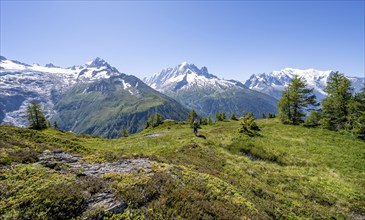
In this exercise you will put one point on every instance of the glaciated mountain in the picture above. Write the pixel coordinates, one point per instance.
(274, 83)
(196, 88)
(188, 77)
(83, 99)
(21, 83)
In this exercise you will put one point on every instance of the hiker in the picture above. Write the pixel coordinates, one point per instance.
(195, 128)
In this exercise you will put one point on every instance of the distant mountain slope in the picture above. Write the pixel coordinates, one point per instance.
(197, 88)
(104, 106)
(81, 97)
(274, 83)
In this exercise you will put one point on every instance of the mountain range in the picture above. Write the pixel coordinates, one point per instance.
(274, 83)
(197, 89)
(94, 98)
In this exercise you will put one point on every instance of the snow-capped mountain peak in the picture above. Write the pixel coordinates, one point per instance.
(187, 76)
(275, 82)
(97, 62)
(21, 83)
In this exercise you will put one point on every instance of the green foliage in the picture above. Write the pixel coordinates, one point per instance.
(359, 126)
(223, 116)
(154, 121)
(356, 118)
(192, 117)
(220, 116)
(336, 105)
(313, 119)
(209, 120)
(263, 115)
(35, 116)
(233, 117)
(294, 100)
(55, 125)
(248, 125)
(203, 121)
(45, 193)
(124, 132)
(270, 115)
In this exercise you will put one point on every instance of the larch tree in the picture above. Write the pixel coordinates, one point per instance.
(296, 99)
(35, 116)
(336, 106)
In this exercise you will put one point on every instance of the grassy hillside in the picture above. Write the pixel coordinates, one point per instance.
(288, 172)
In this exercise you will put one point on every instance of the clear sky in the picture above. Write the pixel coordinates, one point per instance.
(234, 39)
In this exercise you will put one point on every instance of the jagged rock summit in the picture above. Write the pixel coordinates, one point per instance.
(198, 89)
(187, 76)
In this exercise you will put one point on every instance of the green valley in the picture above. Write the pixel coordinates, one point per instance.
(285, 172)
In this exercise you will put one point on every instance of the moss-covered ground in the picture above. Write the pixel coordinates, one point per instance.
(286, 172)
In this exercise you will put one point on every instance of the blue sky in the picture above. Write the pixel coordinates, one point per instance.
(233, 39)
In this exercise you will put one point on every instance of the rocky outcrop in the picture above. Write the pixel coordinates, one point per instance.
(105, 200)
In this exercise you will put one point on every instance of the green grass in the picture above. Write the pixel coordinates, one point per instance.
(298, 172)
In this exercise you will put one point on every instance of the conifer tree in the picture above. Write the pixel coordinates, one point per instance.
(357, 114)
(154, 121)
(124, 132)
(55, 125)
(218, 116)
(158, 119)
(210, 121)
(192, 117)
(263, 115)
(248, 125)
(336, 105)
(233, 117)
(35, 116)
(223, 116)
(313, 119)
(294, 101)
(203, 121)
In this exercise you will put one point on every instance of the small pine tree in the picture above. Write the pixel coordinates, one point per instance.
(313, 119)
(248, 125)
(192, 117)
(233, 117)
(210, 121)
(48, 124)
(263, 115)
(269, 115)
(153, 121)
(36, 118)
(203, 121)
(223, 116)
(124, 132)
(55, 125)
(158, 120)
(218, 117)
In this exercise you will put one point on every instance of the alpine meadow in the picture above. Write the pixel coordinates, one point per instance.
(196, 110)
